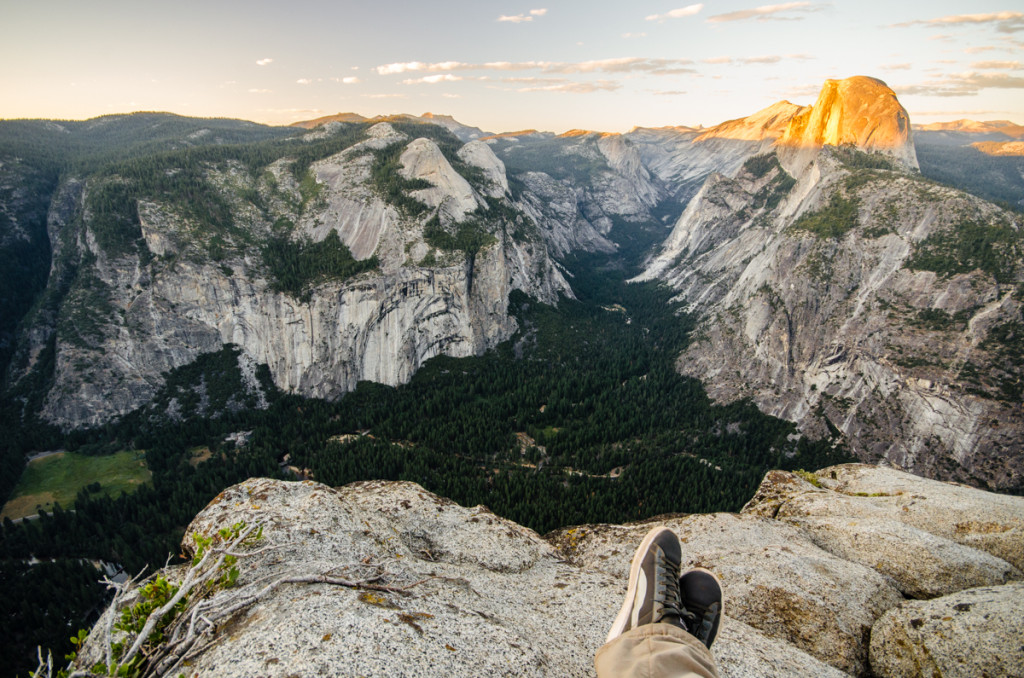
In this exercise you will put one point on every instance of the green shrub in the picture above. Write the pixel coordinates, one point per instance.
(296, 265)
(760, 165)
(834, 220)
(970, 245)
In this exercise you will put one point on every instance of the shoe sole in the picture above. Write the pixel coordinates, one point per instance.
(622, 619)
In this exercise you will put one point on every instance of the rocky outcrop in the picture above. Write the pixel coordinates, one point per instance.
(478, 154)
(451, 194)
(972, 633)
(858, 111)
(579, 185)
(821, 292)
(462, 591)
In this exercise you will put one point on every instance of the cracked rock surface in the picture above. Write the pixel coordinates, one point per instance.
(475, 594)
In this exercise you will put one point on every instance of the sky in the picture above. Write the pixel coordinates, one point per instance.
(504, 65)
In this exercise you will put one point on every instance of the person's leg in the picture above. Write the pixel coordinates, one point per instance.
(655, 651)
(667, 623)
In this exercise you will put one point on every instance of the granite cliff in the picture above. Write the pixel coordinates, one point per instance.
(847, 293)
(120, 315)
(854, 570)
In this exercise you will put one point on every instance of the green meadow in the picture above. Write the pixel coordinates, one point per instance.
(59, 477)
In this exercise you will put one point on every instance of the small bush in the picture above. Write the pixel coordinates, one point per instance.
(834, 220)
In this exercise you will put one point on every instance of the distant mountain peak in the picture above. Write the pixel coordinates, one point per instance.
(768, 123)
(584, 133)
(1010, 129)
(337, 117)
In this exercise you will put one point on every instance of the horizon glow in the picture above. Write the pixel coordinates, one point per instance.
(503, 66)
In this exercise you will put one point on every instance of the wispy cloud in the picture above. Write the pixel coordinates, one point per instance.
(689, 10)
(520, 18)
(895, 67)
(350, 80)
(765, 59)
(1005, 22)
(263, 62)
(979, 49)
(962, 84)
(260, 91)
(433, 79)
(634, 35)
(996, 65)
(304, 81)
(668, 92)
(769, 12)
(619, 65)
(575, 87)
(385, 96)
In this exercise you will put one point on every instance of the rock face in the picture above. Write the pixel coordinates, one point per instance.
(926, 638)
(463, 592)
(837, 297)
(682, 158)
(858, 111)
(579, 185)
(123, 318)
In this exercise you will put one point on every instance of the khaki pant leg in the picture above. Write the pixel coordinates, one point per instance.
(655, 651)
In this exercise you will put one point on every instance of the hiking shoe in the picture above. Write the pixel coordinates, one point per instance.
(700, 594)
(653, 592)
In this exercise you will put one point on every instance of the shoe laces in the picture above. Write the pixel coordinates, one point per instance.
(668, 587)
(700, 627)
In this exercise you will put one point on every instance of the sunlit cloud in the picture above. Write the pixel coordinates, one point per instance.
(765, 59)
(689, 10)
(385, 96)
(405, 67)
(768, 12)
(520, 18)
(668, 93)
(304, 81)
(962, 84)
(433, 79)
(619, 65)
(536, 81)
(449, 95)
(350, 80)
(896, 67)
(263, 62)
(996, 65)
(1005, 22)
(260, 91)
(576, 87)
(634, 35)
(979, 49)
